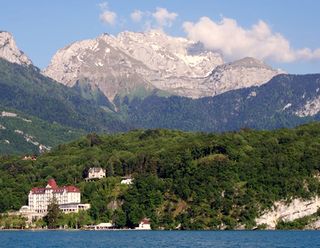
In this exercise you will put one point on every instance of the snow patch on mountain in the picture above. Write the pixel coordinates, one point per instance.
(9, 50)
(286, 106)
(252, 94)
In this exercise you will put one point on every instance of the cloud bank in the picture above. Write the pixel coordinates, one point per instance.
(236, 42)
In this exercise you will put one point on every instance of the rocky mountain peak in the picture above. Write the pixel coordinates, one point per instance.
(9, 50)
(249, 62)
(242, 73)
(168, 63)
(153, 59)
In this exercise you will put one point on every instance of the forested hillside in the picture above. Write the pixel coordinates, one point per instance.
(285, 101)
(27, 90)
(26, 134)
(190, 180)
(275, 104)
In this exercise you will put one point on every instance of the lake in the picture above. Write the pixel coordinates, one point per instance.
(66, 239)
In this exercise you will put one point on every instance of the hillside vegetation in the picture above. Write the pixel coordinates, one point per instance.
(191, 180)
(84, 107)
(23, 134)
(270, 106)
(27, 90)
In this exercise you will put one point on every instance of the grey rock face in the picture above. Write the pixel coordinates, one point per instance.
(120, 64)
(239, 74)
(10, 51)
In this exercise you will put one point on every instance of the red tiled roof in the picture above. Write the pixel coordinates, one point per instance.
(72, 188)
(145, 221)
(55, 188)
(52, 183)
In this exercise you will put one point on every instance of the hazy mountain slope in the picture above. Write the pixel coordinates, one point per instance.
(25, 89)
(21, 133)
(272, 105)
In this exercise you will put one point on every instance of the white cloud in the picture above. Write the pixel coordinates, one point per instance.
(136, 15)
(163, 17)
(107, 16)
(236, 42)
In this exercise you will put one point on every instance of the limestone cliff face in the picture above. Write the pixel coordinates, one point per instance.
(239, 74)
(315, 225)
(10, 51)
(132, 60)
(298, 208)
(120, 64)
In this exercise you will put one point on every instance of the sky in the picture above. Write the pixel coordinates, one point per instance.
(283, 33)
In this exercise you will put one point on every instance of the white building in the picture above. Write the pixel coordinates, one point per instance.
(144, 225)
(96, 173)
(127, 181)
(68, 198)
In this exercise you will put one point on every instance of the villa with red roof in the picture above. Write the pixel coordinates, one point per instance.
(67, 197)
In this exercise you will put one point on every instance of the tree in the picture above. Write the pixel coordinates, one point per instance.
(119, 218)
(94, 139)
(53, 215)
(110, 171)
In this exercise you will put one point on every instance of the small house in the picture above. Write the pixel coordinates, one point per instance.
(95, 173)
(126, 180)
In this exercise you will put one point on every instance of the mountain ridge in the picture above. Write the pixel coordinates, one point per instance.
(172, 64)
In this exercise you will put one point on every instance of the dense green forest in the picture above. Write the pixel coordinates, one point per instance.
(190, 180)
(27, 90)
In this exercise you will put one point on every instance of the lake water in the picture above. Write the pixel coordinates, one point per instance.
(66, 239)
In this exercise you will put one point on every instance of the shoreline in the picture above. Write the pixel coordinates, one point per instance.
(110, 230)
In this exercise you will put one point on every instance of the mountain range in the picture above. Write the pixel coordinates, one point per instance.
(119, 65)
(145, 80)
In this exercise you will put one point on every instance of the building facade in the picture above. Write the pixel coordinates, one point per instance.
(67, 197)
(144, 225)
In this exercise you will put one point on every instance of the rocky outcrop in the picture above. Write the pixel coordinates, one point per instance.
(311, 107)
(314, 225)
(243, 73)
(9, 50)
(296, 209)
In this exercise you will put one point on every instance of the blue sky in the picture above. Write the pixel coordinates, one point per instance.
(285, 33)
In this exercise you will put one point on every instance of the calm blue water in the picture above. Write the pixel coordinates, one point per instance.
(65, 239)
